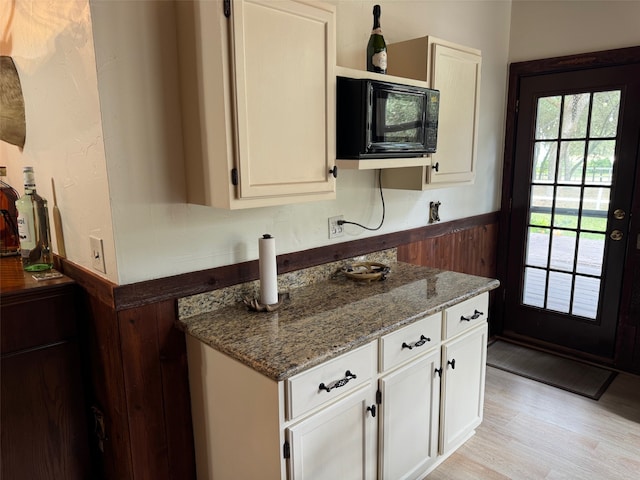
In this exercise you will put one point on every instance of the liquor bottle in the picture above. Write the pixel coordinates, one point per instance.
(9, 241)
(376, 48)
(33, 227)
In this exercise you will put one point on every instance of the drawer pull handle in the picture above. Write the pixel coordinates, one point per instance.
(338, 383)
(419, 343)
(452, 363)
(476, 314)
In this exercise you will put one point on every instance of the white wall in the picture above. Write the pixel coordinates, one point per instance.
(154, 233)
(544, 29)
(104, 123)
(52, 46)
(157, 234)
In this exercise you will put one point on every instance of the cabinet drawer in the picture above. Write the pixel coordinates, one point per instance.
(38, 321)
(410, 341)
(329, 380)
(465, 315)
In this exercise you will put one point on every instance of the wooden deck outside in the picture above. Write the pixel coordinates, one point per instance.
(587, 289)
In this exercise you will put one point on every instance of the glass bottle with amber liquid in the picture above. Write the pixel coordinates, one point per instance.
(376, 48)
(9, 241)
(33, 227)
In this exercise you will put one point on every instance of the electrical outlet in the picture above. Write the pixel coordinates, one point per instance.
(97, 254)
(336, 230)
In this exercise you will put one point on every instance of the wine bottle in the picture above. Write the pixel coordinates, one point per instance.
(33, 227)
(376, 48)
(9, 241)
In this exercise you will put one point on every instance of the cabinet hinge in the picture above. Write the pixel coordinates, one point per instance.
(286, 450)
(379, 397)
(226, 8)
(234, 176)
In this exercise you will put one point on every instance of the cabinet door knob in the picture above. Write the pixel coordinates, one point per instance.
(435, 167)
(439, 371)
(372, 409)
(334, 171)
(452, 363)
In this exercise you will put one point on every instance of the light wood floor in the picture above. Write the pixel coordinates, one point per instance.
(534, 431)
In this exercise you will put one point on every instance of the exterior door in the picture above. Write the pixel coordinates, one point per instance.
(576, 150)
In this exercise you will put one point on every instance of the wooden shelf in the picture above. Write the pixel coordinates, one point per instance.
(355, 73)
(372, 164)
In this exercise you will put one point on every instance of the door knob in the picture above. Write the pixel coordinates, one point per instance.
(616, 235)
(619, 214)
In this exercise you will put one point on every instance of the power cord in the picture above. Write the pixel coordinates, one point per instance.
(343, 222)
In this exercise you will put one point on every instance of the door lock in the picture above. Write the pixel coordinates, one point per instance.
(616, 235)
(619, 214)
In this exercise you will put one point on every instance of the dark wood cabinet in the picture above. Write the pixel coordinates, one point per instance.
(43, 419)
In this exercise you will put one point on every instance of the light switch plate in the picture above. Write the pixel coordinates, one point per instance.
(97, 254)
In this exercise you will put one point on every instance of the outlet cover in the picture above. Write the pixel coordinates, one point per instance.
(336, 230)
(97, 254)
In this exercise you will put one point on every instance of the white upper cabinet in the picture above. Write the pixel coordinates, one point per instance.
(258, 92)
(455, 71)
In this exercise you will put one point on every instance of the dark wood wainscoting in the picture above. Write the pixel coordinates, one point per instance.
(138, 359)
(470, 250)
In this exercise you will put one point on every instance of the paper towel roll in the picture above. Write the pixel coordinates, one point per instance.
(268, 270)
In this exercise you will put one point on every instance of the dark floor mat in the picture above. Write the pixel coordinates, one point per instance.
(571, 375)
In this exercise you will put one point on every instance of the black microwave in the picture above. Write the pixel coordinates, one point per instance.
(376, 119)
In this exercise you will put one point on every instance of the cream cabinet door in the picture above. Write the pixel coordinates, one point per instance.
(283, 65)
(337, 442)
(464, 367)
(409, 415)
(455, 71)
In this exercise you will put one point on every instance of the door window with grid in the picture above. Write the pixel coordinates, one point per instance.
(570, 190)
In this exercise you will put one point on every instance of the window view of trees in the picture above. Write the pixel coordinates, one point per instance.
(575, 151)
(571, 179)
(586, 130)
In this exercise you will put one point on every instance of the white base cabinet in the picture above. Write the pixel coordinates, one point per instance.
(409, 415)
(464, 369)
(337, 442)
(392, 409)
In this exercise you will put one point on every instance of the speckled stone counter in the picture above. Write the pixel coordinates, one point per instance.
(328, 318)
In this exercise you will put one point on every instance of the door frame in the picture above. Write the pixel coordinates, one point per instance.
(628, 332)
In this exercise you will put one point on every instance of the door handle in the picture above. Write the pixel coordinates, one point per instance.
(616, 235)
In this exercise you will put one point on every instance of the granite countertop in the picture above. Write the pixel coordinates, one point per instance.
(328, 318)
